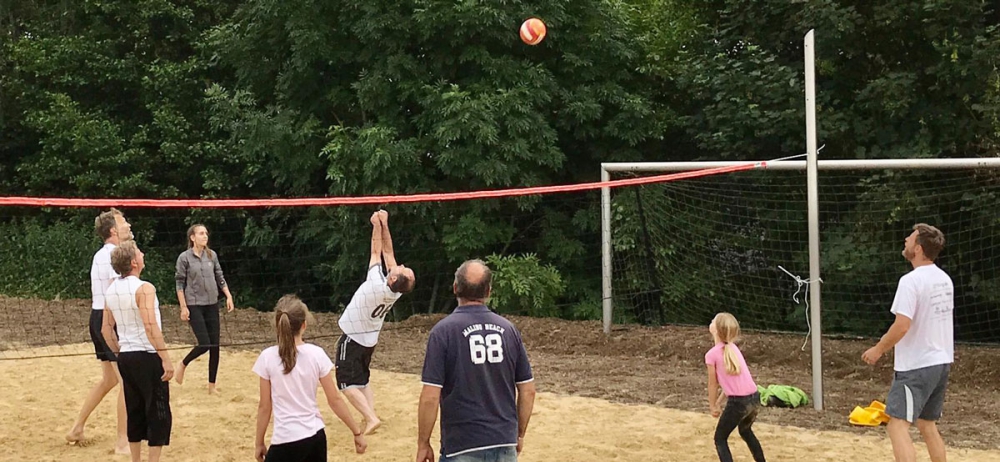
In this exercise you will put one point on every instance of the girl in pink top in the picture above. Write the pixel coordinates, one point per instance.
(728, 369)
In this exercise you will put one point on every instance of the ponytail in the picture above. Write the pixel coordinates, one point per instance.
(290, 315)
(286, 342)
(729, 357)
(727, 328)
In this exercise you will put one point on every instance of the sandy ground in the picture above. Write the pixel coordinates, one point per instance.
(42, 396)
(659, 366)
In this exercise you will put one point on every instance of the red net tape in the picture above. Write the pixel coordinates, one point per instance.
(367, 200)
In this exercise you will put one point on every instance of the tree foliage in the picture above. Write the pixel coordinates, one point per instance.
(266, 98)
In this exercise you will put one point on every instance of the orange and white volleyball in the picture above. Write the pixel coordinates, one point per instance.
(532, 31)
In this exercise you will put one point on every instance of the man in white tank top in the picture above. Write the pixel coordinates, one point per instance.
(133, 312)
(923, 338)
(363, 317)
(113, 229)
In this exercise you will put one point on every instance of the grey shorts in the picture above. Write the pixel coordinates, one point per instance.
(918, 394)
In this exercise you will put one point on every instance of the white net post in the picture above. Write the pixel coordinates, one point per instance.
(813, 199)
(606, 263)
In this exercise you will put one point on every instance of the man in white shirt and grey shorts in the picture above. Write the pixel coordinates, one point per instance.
(363, 317)
(923, 336)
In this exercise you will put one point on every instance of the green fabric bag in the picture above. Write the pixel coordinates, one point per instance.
(782, 396)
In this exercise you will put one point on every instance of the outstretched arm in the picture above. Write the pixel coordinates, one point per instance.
(339, 407)
(895, 333)
(108, 330)
(430, 399)
(525, 403)
(264, 408)
(376, 255)
(390, 256)
(180, 278)
(713, 391)
(146, 300)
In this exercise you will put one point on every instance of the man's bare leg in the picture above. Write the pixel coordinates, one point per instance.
(136, 451)
(109, 378)
(369, 396)
(932, 438)
(121, 444)
(902, 444)
(357, 398)
(154, 453)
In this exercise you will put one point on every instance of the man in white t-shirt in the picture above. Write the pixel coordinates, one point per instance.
(923, 336)
(362, 320)
(113, 229)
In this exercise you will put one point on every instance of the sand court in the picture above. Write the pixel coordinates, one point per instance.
(42, 396)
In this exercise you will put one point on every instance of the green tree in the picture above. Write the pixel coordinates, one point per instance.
(108, 99)
(362, 98)
(105, 99)
(894, 80)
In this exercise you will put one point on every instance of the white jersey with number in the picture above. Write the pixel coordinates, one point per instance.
(362, 319)
(101, 275)
(926, 295)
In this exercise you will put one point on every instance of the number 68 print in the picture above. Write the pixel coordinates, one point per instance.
(486, 349)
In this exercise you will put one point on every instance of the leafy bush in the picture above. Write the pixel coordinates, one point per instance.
(523, 285)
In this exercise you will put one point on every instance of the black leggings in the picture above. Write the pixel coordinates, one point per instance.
(205, 324)
(740, 412)
(312, 449)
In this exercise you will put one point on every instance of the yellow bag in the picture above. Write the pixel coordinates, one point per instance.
(871, 416)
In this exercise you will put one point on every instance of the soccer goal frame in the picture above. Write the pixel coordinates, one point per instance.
(812, 165)
(607, 169)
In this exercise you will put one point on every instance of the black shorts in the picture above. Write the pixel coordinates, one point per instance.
(353, 363)
(147, 398)
(101, 347)
(312, 449)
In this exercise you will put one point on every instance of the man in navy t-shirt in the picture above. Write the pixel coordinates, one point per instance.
(477, 369)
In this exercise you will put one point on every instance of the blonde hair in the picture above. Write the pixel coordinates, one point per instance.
(728, 330)
(122, 256)
(290, 313)
(105, 222)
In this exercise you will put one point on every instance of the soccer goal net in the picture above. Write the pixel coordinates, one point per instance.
(682, 251)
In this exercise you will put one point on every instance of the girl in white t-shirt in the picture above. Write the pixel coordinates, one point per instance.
(290, 373)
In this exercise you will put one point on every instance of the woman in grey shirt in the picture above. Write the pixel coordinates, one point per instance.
(199, 279)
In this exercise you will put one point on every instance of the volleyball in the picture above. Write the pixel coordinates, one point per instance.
(533, 31)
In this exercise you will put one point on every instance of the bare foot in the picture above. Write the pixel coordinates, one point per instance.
(75, 435)
(179, 374)
(122, 450)
(212, 389)
(370, 427)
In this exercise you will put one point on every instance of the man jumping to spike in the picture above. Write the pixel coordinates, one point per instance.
(363, 317)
